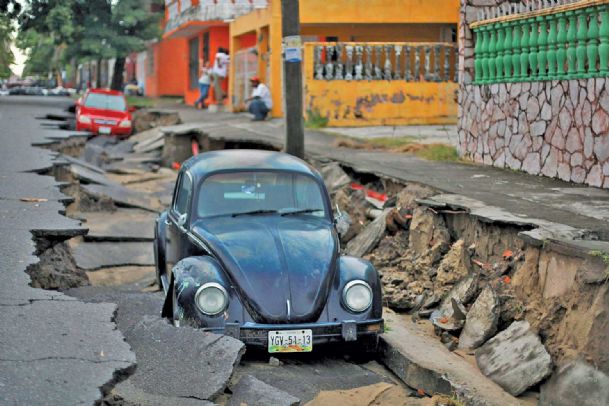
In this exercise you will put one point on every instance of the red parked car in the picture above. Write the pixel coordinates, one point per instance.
(104, 112)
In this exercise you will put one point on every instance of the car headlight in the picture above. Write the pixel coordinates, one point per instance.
(211, 299)
(84, 119)
(357, 296)
(125, 124)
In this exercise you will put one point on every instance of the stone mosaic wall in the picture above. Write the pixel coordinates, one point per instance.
(554, 128)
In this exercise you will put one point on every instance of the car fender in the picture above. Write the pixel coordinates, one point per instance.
(159, 246)
(352, 268)
(188, 276)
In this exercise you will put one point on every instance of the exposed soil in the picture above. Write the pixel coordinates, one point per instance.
(56, 269)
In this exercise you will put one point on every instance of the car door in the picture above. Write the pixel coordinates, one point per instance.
(178, 220)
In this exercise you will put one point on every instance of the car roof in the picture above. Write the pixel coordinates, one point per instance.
(236, 160)
(106, 91)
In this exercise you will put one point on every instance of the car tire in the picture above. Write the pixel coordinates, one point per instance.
(175, 319)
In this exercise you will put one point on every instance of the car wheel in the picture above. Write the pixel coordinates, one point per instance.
(175, 308)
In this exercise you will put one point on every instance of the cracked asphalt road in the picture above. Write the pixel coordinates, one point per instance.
(70, 348)
(54, 349)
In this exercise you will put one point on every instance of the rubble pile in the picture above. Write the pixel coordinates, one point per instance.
(482, 288)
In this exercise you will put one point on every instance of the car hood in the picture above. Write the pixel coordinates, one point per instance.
(102, 113)
(272, 260)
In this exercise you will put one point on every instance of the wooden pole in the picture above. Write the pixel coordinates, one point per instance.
(292, 72)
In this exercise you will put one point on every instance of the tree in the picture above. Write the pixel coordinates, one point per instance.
(6, 54)
(134, 24)
(84, 30)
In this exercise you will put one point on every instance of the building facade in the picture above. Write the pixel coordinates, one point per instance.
(412, 43)
(534, 87)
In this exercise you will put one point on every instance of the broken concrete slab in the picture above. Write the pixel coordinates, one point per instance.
(86, 175)
(126, 197)
(369, 238)
(172, 362)
(423, 362)
(335, 177)
(576, 383)
(515, 358)
(201, 363)
(96, 255)
(482, 319)
(150, 144)
(462, 293)
(120, 225)
(254, 392)
(126, 393)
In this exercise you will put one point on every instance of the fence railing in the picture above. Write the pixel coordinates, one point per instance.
(561, 42)
(210, 10)
(411, 62)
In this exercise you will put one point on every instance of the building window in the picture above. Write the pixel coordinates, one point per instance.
(193, 62)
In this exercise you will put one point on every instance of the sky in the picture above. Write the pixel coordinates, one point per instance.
(20, 57)
(19, 64)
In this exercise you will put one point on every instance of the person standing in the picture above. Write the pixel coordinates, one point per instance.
(261, 101)
(219, 73)
(204, 83)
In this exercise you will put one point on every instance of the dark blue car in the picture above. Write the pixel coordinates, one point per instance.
(249, 249)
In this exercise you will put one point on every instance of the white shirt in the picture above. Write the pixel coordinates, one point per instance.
(263, 92)
(221, 64)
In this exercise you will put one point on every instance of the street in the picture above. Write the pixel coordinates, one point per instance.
(59, 327)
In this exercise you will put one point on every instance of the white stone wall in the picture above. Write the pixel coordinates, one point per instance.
(556, 128)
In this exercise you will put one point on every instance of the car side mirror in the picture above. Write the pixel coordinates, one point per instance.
(131, 109)
(342, 222)
(182, 219)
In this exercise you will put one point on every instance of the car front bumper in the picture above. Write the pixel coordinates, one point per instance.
(255, 334)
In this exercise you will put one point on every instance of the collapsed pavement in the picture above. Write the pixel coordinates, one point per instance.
(116, 190)
(490, 282)
(54, 348)
(436, 253)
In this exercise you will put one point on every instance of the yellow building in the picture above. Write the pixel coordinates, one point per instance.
(366, 62)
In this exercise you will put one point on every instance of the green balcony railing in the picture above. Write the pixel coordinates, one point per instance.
(563, 42)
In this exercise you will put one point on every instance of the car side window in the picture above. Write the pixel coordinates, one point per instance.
(184, 191)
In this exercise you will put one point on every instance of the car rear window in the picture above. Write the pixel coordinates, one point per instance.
(105, 101)
(242, 192)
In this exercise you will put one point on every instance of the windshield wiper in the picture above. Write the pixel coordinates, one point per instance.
(302, 211)
(251, 213)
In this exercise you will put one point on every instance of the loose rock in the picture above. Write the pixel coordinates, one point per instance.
(482, 319)
(369, 238)
(515, 358)
(335, 177)
(576, 383)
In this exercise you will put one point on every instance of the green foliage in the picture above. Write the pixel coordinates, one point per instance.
(60, 31)
(6, 55)
(604, 256)
(439, 152)
(315, 119)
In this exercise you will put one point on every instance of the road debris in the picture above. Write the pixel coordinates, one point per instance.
(515, 358)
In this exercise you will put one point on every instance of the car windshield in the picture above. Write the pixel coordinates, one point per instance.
(105, 101)
(260, 193)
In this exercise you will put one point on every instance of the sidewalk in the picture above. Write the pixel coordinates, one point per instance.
(566, 210)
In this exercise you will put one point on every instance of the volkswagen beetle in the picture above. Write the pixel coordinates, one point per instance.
(249, 248)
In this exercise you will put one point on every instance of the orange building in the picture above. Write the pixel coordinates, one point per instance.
(194, 30)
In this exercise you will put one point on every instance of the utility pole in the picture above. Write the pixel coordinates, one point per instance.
(292, 74)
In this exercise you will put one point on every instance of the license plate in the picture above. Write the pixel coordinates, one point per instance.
(291, 341)
(105, 130)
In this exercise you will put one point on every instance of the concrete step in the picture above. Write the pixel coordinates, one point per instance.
(421, 361)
